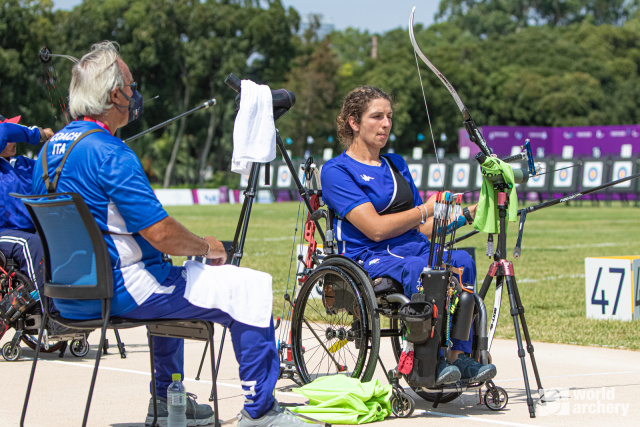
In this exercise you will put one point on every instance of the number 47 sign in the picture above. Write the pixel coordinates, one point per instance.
(612, 288)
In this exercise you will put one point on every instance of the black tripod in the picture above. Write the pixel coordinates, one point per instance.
(502, 270)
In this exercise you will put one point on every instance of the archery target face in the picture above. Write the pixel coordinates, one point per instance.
(416, 174)
(562, 178)
(538, 181)
(461, 175)
(592, 174)
(478, 176)
(436, 175)
(622, 169)
(244, 181)
(284, 177)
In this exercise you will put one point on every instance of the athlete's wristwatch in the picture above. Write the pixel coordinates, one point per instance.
(467, 215)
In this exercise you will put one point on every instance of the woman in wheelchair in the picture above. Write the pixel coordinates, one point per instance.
(381, 222)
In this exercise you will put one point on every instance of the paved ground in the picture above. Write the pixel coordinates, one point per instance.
(598, 387)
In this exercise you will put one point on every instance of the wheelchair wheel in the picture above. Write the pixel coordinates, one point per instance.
(336, 328)
(31, 342)
(402, 405)
(496, 398)
(9, 355)
(79, 348)
(396, 344)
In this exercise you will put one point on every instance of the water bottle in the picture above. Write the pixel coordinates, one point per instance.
(176, 403)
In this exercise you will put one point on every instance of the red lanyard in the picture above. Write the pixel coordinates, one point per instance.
(99, 123)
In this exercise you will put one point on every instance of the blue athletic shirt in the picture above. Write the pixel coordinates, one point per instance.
(347, 183)
(109, 176)
(15, 177)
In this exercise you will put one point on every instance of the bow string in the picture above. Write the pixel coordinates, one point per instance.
(472, 129)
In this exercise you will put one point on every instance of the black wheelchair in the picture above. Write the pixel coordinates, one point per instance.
(340, 314)
(333, 323)
(20, 309)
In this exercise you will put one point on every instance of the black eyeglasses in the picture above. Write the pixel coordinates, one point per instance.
(134, 86)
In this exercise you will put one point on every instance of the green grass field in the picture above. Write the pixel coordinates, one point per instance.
(550, 272)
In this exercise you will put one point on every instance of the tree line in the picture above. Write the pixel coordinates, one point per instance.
(513, 62)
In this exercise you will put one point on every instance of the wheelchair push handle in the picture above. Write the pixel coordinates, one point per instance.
(282, 99)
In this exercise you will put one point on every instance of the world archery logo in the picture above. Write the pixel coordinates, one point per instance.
(366, 178)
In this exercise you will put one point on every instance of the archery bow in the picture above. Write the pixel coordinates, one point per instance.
(50, 78)
(472, 129)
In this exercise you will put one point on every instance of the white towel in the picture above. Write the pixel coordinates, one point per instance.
(242, 293)
(254, 133)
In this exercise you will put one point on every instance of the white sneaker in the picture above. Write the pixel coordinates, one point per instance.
(276, 417)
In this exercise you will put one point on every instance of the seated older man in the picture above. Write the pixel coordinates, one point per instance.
(103, 97)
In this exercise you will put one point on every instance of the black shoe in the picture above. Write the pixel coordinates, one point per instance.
(446, 373)
(473, 371)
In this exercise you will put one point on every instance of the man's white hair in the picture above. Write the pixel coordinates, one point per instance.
(92, 80)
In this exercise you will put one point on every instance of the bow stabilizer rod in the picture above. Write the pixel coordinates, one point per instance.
(205, 104)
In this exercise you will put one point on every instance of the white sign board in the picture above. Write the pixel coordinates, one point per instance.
(611, 287)
(264, 196)
(174, 197)
(208, 196)
(567, 152)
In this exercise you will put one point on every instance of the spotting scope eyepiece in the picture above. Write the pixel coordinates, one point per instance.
(283, 99)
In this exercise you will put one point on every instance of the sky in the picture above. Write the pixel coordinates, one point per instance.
(377, 16)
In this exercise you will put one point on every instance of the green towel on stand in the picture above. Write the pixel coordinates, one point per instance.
(487, 219)
(338, 399)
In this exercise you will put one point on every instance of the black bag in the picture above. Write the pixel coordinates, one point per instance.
(425, 356)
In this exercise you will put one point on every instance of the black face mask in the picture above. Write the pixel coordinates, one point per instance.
(136, 107)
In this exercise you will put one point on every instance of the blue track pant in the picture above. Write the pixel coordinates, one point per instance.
(405, 261)
(254, 347)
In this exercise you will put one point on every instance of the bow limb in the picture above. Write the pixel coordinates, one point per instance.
(472, 129)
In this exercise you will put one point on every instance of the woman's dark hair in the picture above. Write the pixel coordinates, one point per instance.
(354, 105)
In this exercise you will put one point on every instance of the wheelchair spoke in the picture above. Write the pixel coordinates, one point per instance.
(330, 332)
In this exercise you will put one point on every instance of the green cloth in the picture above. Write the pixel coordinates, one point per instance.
(487, 219)
(338, 399)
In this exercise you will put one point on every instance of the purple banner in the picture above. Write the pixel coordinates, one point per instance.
(545, 141)
(605, 139)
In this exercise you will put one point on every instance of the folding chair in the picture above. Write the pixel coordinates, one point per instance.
(78, 267)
